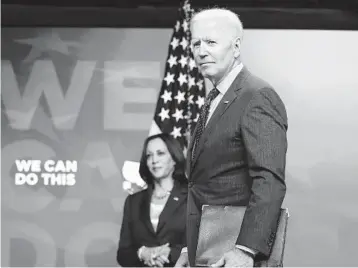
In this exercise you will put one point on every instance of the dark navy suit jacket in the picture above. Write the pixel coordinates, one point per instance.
(240, 161)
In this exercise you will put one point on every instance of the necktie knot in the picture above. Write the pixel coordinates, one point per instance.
(212, 94)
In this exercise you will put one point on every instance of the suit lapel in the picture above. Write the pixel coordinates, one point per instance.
(176, 197)
(146, 210)
(230, 95)
(189, 152)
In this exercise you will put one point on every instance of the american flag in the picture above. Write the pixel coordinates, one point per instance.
(182, 92)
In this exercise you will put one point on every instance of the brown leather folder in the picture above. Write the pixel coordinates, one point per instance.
(219, 229)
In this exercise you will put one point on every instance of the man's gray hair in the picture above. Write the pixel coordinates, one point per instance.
(223, 13)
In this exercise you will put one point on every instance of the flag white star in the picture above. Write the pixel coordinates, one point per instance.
(167, 96)
(200, 84)
(178, 114)
(183, 61)
(169, 78)
(182, 79)
(191, 81)
(184, 43)
(172, 60)
(177, 26)
(185, 25)
(164, 113)
(200, 101)
(190, 99)
(176, 132)
(192, 64)
(174, 43)
(180, 97)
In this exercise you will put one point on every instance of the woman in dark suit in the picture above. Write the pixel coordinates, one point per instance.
(154, 220)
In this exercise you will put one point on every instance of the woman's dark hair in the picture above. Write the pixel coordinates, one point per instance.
(176, 153)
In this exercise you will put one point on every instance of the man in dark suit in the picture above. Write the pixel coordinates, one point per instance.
(237, 154)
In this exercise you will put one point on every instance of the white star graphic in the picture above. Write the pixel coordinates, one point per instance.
(167, 96)
(182, 79)
(169, 78)
(200, 84)
(176, 132)
(178, 114)
(200, 101)
(184, 43)
(164, 113)
(192, 64)
(190, 99)
(177, 26)
(185, 26)
(191, 81)
(172, 60)
(46, 43)
(174, 43)
(183, 61)
(180, 97)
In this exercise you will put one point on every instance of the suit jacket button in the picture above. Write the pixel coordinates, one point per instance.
(191, 184)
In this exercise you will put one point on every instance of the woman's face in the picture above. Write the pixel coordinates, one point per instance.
(159, 161)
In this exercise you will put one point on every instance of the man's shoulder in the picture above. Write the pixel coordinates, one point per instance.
(260, 88)
(257, 84)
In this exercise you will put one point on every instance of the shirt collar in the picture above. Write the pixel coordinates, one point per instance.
(224, 85)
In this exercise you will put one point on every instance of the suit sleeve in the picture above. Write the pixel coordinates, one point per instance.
(127, 250)
(176, 249)
(264, 128)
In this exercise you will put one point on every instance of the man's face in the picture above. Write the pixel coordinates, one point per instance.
(214, 48)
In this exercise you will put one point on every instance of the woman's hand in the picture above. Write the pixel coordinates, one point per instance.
(162, 254)
(156, 256)
(147, 255)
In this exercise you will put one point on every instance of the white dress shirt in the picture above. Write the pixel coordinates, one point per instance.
(223, 87)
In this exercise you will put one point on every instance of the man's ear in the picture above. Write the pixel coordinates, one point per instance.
(237, 47)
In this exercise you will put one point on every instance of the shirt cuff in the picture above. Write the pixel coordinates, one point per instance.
(139, 252)
(184, 250)
(249, 250)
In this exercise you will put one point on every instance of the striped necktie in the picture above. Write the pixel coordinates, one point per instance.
(203, 118)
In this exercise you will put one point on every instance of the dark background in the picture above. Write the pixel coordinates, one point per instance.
(257, 14)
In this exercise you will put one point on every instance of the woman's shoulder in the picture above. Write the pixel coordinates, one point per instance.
(137, 196)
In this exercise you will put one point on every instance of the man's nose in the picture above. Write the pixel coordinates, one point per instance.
(202, 51)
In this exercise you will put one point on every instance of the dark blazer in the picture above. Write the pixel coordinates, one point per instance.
(137, 229)
(241, 161)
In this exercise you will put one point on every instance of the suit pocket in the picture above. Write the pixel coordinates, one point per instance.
(225, 191)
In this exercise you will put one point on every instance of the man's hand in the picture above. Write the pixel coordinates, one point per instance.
(235, 258)
(183, 260)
